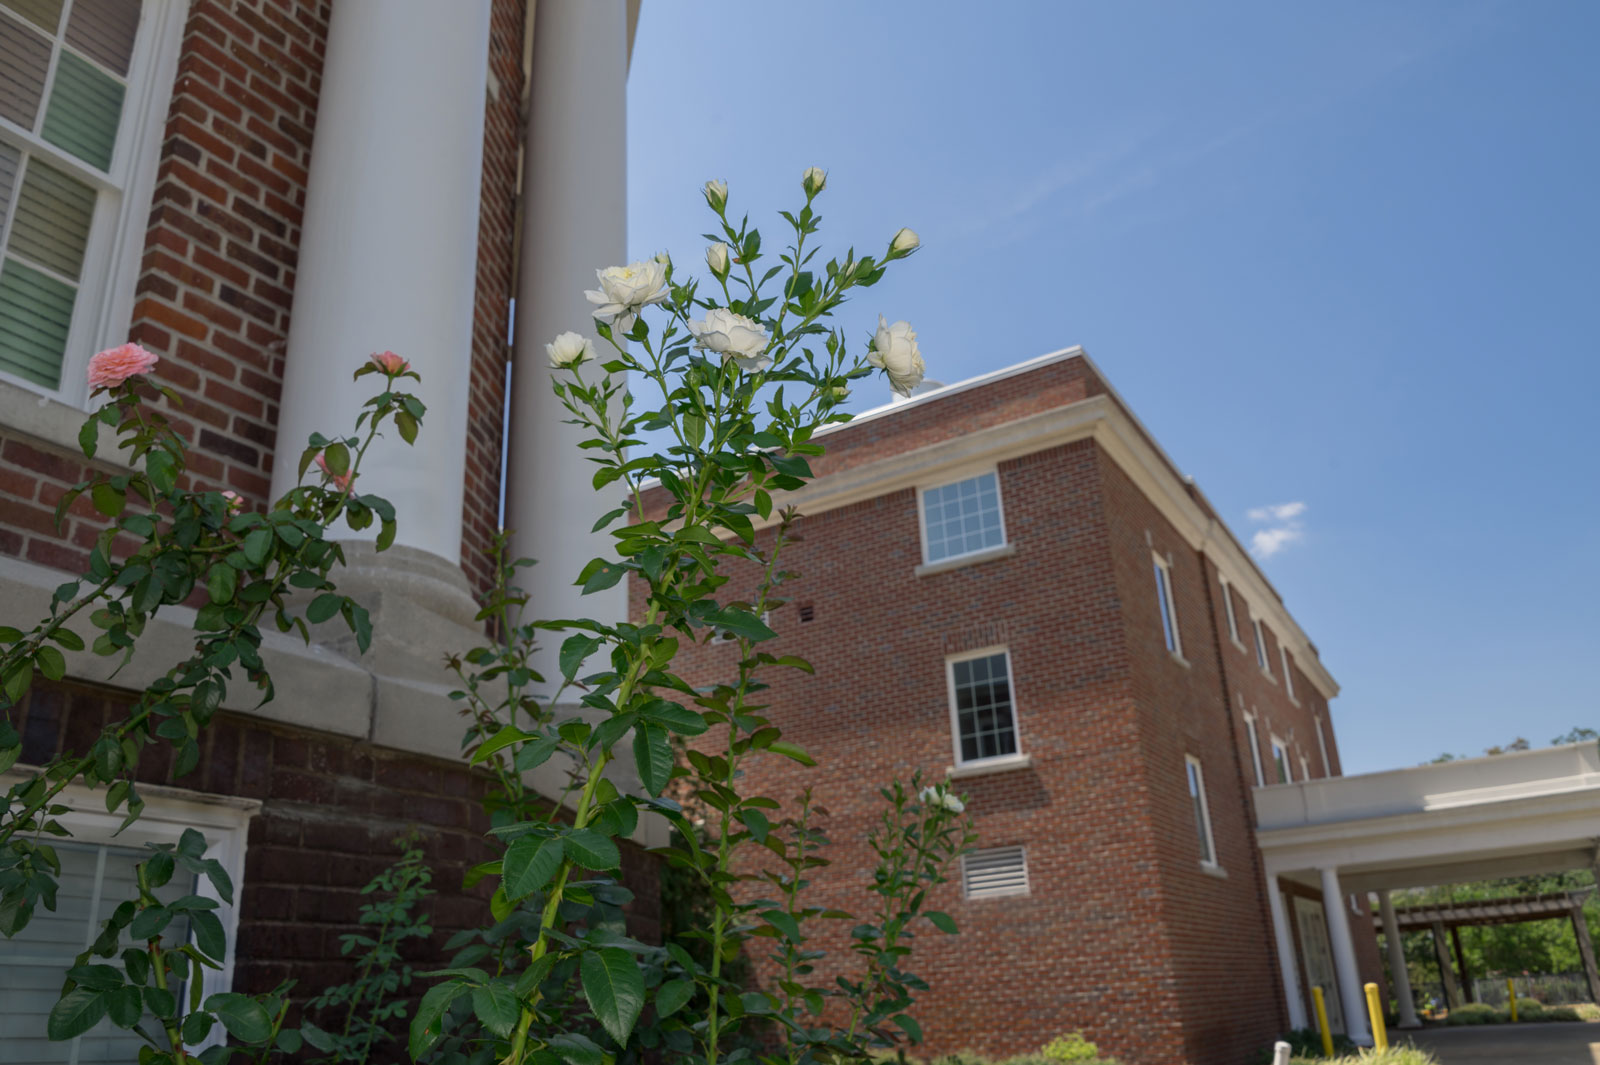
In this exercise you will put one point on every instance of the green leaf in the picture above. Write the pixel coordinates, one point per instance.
(757, 823)
(742, 623)
(108, 500)
(324, 607)
(257, 545)
(89, 438)
(208, 934)
(125, 1006)
(652, 753)
(672, 996)
(95, 977)
(76, 1013)
(428, 1025)
(598, 578)
(614, 988)
(244, 1018)
(407, 426)
(677, 718)
(197, 1026)
(160, 1001)
(911, 1027)
(496, 1006)
(150, 923)
(576, 648)
(790, 750)
(577, 1049)
(50, 662)
(942, 921)
(162, 470)
(532, 755)
(337, 457)
(68, 639)
(592, 851)
(530, 862)
(319, 1039)
(507, 735)
(222, 582)
(784, 923)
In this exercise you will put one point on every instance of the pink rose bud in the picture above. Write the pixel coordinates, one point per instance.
(234, 500)
(389, 362)
(340, 481)
(115, 365)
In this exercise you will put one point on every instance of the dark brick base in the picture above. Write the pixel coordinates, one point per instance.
(331, 807)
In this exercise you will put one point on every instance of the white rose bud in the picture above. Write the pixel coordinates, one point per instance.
(716, 195)
(569, 349)
(929, 796)
(663, 258)
(624, 290)
(814, 180)
(894, 350)
(733, 336)
(717, 259)
(904, 243)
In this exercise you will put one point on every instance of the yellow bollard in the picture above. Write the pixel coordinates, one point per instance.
(1511, 992)
(1322, 1022)
(1380, 1034)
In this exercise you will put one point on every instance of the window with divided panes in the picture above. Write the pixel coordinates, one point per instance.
(962, 518)
(65, 88)
(980, 697)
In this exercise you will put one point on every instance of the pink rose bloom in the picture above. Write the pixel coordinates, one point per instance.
(115, 365)
(389, 362)
(234, 500)
(340, 481)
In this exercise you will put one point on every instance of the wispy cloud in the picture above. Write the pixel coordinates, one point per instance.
(1283, 527)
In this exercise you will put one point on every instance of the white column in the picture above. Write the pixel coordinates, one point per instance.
(1353, 998)
(574, 222)
(1397, 962)
(1287, 969)
(388, 253)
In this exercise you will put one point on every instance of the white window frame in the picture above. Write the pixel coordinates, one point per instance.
(1322, 746)
(1281, 761)
(1255, 749)
(1167, 604)
(223, 820)
(1288, 673)
(102, 310)
(1000, 511)
(1227, 607)
(1027, 881)
(1261, 647)
(1195, 779)
(1305, 767)
(994, 761)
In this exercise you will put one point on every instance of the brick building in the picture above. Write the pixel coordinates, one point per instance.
(1008, 580)
(262, 192)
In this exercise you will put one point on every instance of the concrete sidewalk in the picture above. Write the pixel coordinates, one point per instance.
(1510, 1044)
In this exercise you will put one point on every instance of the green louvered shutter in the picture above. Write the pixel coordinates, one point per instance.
(62, 81)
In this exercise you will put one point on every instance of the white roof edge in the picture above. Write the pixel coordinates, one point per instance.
(979, 381)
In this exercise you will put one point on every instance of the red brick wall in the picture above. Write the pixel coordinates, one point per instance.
(217, 279)
(1222, 958)
(1092, 947)
(331, 808)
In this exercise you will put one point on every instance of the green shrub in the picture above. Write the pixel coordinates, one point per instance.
(1584, 1011)
(1563, 1013)
(1072, 1047)
(1475, 1013)
(1528, 1009)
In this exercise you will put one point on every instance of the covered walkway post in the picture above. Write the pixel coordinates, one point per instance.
(1344, 958)
(1397, 963)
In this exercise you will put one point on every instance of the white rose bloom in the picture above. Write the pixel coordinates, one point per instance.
(894, 350)
(905, 242)
(716, 194)
(929, 796)
(951, 803)
(625, 289)
(717, 259)
(814, 179)
(735, 337)
(569, 349)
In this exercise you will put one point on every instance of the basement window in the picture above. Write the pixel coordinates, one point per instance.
(994, 873)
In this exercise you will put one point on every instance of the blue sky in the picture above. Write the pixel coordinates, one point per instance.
(1342, 255)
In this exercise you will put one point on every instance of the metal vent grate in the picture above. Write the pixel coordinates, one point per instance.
(991, 873)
